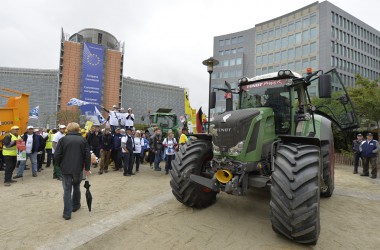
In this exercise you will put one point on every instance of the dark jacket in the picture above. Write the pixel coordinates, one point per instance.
(42, 142)
(117, 141)
(36, 141)
(72, 154)
(369, 149)
(157, 142)
(94, 140)
(107, 141)
(355, 146)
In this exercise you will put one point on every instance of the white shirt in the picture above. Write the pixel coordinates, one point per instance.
(129, 122)
(57, 136)
(29, 144)
(114, 118)
(124, 140)
(122, 117)
(170, 145)
(139, 143)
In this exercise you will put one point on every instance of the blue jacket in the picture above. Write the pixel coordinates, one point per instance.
(369, 149)
(116, 141)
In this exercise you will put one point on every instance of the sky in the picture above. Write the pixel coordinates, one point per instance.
(165, 40)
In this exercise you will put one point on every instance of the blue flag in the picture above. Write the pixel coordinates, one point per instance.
(33, 114)
(77, 102)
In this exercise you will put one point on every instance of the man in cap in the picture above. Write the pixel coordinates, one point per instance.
(122, 118)
(183, 139)
(369, 149)
(32, 144)
(357, 154)
(57, 173)
(130, 118)
(10, 154)
(127, 144)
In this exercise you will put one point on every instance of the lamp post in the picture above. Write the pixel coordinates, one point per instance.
(210, 63)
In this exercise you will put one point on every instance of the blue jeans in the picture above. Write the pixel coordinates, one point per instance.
(69, 186)
(33, 159)
(157, 159)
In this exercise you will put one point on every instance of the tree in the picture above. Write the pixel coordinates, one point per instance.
(67, 116)
(366, 99)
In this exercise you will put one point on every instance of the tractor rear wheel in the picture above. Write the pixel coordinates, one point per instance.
(295, 193)
(192, 158)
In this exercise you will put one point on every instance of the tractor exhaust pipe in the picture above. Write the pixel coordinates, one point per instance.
(223, 176)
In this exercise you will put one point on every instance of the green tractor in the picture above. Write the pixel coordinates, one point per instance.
(278, 138)
(164, 120)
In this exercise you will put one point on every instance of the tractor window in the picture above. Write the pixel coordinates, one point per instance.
(339, 107)
(166, 121)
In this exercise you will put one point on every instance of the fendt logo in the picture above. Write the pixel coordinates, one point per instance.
(226, 117)
(6, 123)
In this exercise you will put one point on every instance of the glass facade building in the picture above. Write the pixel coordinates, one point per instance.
(321, 36)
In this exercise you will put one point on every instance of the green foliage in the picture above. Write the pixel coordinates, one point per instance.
(366, 98)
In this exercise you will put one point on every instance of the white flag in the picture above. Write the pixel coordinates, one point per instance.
(100, 117)
(77, 102)
(33, 114)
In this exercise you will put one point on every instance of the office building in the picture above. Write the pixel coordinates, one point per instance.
(321, 36)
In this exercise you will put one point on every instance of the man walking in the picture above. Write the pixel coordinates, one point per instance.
(32, 144)
(369, 149)
(57, 136)
(10, 154)
(357, 155)
(72, 154)
(158, 149)
(94, 139)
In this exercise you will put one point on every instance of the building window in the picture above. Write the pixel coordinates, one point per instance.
(271, 45)
(258, 49)
(284, 42)
(100, 38)
(265, 47)
(305, 36)
(232, 62)
(305, 23)
(225, 63)
(265, 59)
(291, 27)
(221, 42)
(291, 54)
(278, 44)
(298, 52)
(270, 58)
(284, 55)
(332, 47)
(233, 51)
(240, 50)
(278, 32)
(313, 62)
(265, 36)
(298, 38)
(227, 52)
(291, 40)
(278, 57)
(228, 42)
(313, 48)
(239, 73)
(305, 64)
(221, 52)
(284, 30)
(313, 19)
(238, 61)
(298, 66)
(240, 39)
(305, 50)
(313, 33)
(258, 37)
(225, 74)
(234, 40)
(258, 60)
(271, 34)
(258, 72)
(291, 66)
(298, 25)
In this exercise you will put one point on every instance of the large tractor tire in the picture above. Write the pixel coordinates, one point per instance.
(295, 193)
(192, 158)
(327, 151)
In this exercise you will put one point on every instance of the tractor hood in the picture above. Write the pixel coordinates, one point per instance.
(230, 128)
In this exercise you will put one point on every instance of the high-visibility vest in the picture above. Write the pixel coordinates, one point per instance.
(12, 151)
(49, 141)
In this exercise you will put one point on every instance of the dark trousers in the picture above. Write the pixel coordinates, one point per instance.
(40, 159)
(151, 156)
(366, 163)
(357, 157)
(49, 157)
(70, 201)
(10, 164)
(128, 163)
(168, 165)
(116, 156)
(136, 159)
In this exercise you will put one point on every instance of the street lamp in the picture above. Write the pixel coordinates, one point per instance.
(210, 63)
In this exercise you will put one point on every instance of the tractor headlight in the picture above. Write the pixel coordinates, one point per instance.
(236, 150)
(215, 149)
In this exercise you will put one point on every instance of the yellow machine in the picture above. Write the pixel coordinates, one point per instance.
(15, 112)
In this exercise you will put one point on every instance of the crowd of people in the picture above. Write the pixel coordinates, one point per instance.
(117, 145)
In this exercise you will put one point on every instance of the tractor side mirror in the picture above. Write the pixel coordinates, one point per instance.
(324, 86)
(212, 99)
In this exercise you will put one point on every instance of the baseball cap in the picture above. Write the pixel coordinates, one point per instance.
(117, 128)
(15, 127)
(121, 109)
(114, 106)
(370, 134)
(30, 127)
(62, 126)
(360, 135)
(128, 129)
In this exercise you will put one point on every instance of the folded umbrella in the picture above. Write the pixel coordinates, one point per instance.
(88, 194)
